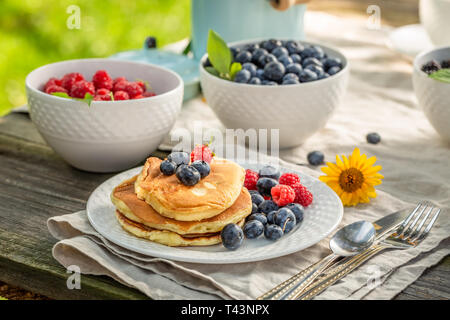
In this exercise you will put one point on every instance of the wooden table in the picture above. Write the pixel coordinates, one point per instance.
(36, 184)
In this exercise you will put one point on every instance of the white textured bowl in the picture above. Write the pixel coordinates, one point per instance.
(298, 111)
(433, 95)
(108, 136)
(435, 17)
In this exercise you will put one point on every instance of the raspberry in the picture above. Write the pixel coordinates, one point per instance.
(133, 89)
(103, 97)
(80, 88)
(54, 88)
(251, 178)
(282, 195)
(142, 85)
(102, 92)
(267, 198)
(201, 152)
(52, 82)
(140, 96)
(69, 79)
(119, 79)
(121, 95)
(121, 86)
(289, 179)
(302, 195)
(149, 94)
(101, 79)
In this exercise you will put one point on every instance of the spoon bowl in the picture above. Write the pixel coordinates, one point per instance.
(353, 238)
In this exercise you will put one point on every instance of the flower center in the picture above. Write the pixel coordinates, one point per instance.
(351, 180)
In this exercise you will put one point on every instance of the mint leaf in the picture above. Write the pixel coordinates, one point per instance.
(111, 95)
(218, 53)
(442, 75)
(235, 68)
(213, 71)
(61, 94)
(87, 98)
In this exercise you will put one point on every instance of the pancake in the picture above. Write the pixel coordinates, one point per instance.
(126, 201)
(211, 196)
(166, 237)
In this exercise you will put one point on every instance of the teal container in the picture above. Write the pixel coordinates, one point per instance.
(237, 20)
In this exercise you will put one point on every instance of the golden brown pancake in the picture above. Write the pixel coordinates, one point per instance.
(211, 196)
(166, 237)
(126, 201)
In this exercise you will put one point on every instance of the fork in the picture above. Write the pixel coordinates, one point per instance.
(407, 235)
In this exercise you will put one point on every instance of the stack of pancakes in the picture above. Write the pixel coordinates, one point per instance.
(161, 209)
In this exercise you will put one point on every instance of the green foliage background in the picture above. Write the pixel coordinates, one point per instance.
(34, 33)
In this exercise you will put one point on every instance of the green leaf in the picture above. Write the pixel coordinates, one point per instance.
(88, 98)
(213, 71)
(111, 95)
(235, 68)
(442, 75)
(61, 94)
(218, 53)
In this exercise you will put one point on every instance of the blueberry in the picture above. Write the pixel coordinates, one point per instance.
(290, 76)
(315, 158)
(168, 167)
(256, 198)
(258, 53)
(253, 229)
(269, 171)
(188, 175)
(296, 58)
(265, 59)
(333, 70)
(260, 74)
(270, 216)
(313, 52)
(255, 80)
(294, 68)
(318, 52)
(332, 62)
(232, 236)
(243, 76)
(274, 71)
(297, 210)
(316, 69)
(307, 52)
(270, 44)
(285, 60)
(324, 76)
(290, 81)
(179, 157)
(280, 51)
(234, 51)
(273, 232)
(293, 47)
(264, 185)
(267, 206)
(150, 42)
(250, 67)
(254, 208)
(251, 47)
(285, 218)
(202, 167)
(243, 57)
(373, 138)
(307, 75)
(258, 216)
(269, 83)
(309, 61)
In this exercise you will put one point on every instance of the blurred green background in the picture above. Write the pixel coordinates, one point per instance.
(34, 33)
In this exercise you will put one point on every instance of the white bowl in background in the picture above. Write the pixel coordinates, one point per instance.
(298, 110)
(435, 17)
(108, 136)
(433, 95)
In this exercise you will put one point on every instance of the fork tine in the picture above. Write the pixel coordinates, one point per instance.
(422, 236)
(410, 229)
(419, 227)
(405, 222)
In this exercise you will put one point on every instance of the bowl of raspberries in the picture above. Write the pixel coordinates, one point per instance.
(431, 79)
(103, 115)
(290, 85)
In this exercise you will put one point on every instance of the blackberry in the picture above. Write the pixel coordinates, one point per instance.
(150, 42)
(445, 64)
(431, 66)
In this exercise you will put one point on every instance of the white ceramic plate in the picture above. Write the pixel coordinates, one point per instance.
(320, 219)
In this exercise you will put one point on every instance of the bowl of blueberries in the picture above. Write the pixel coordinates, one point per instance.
(293, 86)
(431, 79)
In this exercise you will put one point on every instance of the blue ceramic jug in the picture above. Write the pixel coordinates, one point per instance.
(237, 20)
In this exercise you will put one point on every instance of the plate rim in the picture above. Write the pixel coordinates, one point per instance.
(186, 258)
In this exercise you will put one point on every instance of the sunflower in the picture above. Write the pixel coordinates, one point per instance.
(353, 178)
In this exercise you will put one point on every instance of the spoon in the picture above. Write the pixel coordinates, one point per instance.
(348, 241)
